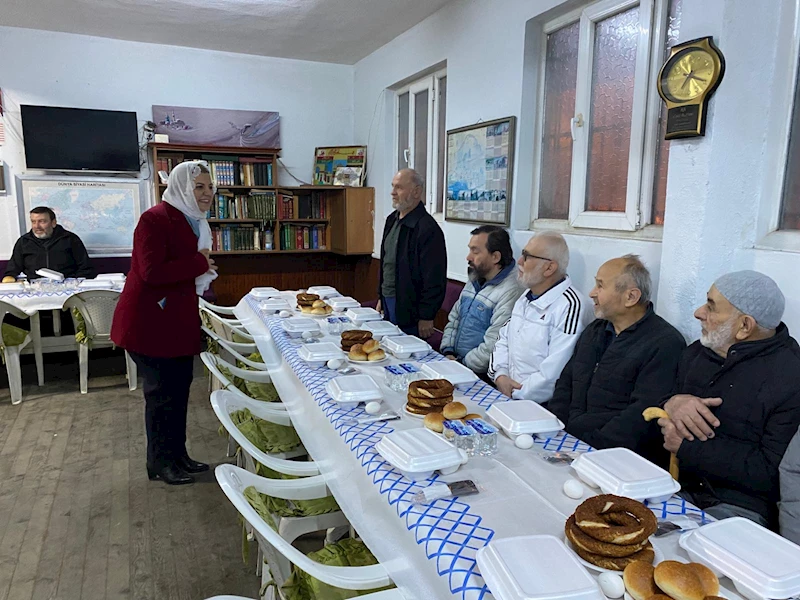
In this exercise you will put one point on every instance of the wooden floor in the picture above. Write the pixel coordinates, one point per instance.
(78, 517)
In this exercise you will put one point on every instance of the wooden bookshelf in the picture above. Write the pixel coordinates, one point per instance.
(342, 221)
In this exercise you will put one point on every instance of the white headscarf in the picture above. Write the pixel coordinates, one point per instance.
(180, 194)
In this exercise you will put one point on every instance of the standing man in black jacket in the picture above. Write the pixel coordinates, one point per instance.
(413, 259)
(49, 246)
(623, 362)
(737, 402)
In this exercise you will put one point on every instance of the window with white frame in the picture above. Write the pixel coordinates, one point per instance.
(789, 218)
(420, 121)
(602, 160)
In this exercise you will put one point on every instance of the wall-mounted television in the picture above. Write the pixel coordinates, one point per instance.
(77, 139)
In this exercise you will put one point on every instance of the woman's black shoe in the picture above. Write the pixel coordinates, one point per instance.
(171, 474)
(191, 466)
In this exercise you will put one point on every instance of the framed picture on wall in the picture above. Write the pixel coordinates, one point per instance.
(349, 159)
(480, 160)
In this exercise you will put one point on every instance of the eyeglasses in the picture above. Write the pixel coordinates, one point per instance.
(526, 255)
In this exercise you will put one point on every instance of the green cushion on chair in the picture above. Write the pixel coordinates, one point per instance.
(345, 553)
(13, 336)
(266, 436)
(296, 508)
(257, 391)
(80, 328)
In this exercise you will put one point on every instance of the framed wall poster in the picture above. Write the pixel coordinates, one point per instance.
(218, 127)
(103, 212)
(328, 159)
(480, 161)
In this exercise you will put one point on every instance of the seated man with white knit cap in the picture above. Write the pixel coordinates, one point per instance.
(737, 402)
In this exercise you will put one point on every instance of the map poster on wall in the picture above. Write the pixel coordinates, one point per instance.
(103, 212)
(479, 172)
(328, 160)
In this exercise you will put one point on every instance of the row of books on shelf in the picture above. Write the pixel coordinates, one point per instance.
(255, 205)
(304, 206)
(240, 237)
(304, 237)
(227, 170)
(226, 238)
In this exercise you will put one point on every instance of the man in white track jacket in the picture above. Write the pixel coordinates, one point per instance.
(545, 323)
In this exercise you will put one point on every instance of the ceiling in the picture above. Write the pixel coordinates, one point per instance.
(336, 31)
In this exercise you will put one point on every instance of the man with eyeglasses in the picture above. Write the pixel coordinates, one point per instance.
(546, 321)
(624, 362)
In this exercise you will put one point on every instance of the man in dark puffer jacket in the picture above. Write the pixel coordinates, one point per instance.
(746, 367)
(623, 362)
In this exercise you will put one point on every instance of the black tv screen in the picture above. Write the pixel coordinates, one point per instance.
(77, 139)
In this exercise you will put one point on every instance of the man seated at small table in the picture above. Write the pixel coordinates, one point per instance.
(546, 321)
(486, 301)
(48, 246)
(737, 402)
(624, 362)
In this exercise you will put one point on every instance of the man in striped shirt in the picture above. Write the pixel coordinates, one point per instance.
(546, 321)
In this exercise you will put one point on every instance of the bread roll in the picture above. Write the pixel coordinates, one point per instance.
(319, 311)
(357, 353)
(318, 304)
(639, 580)
(454, 410)
(472, 416)
(376, 354)
(9, 279)
(685, 581)
(658, 596)
(434, 421)
(371, 346)
(306, 309)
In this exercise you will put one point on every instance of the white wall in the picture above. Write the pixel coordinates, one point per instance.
(719, 188)
(315, 100)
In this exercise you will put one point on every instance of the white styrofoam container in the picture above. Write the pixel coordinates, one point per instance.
(380, 329)
(516, 417)
(351, 389)
(96, 284)
(6, 288)
(622, 472)
(760, 563)
(273, 305)
(360, 315)
(340, 303)
(112, 276)
(556, 574)
(418, 452)
(265, 292)
(316, 355)
(323, 291)
(296, 326)
(451, 370)
(404, 346)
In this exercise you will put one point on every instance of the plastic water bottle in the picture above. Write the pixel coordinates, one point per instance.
(410, 372)
(395, 378)
(334, 325)
(461, 435)
(486, 438)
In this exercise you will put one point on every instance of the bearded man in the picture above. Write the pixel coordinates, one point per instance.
(737, 401)
(485, 303)
(48, 246)
(546, 322)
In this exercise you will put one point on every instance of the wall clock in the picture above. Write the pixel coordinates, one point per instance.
(690, 75)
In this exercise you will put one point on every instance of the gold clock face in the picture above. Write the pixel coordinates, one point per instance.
(688, 75)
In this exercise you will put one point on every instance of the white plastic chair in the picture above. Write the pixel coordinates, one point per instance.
(236, 350)
(393, 594)
(12, 354)
(225, 328)
(234, 480)
(220, 310)
(289, 528)
(97, 309)
(214, 363)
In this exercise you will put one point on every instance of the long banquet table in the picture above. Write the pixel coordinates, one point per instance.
(428, 550)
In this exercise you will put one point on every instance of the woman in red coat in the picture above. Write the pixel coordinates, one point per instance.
(157, 319)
